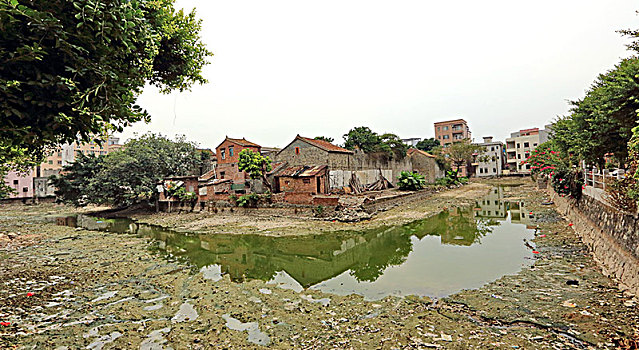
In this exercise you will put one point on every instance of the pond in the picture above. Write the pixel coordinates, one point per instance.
(460, 248)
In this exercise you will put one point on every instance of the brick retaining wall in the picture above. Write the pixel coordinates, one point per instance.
(611, 235)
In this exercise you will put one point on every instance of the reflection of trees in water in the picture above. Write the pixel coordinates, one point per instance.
(313, 259)
(390, 249)
(456, 226)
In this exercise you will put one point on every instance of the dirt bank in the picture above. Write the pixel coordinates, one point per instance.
(78, 288)
(284, 223)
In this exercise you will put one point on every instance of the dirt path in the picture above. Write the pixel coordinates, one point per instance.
(86, 289)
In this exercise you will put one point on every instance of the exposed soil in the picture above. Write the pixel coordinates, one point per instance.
(284, 223)
(65, 288)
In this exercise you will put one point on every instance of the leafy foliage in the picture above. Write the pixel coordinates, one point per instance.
(256, 165)
(602, 121)
(248, 200)
(545, 159)
(568, 182)
(462, 152)
(72, 69)
(369, 141)
(324, 138)
(127, 176)
(427, 145)
(410, 181)
(452, 178)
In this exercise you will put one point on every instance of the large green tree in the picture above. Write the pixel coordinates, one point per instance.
(74, 68)
(427, 145)
(603, 120)
(130, 175)
(256, 165)
(461, 152)
(365, 139)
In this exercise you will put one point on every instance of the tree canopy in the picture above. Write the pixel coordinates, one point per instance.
(324, 138)
(427, 145)
(461, 152)
(130, 175)
(603, 120)
(256, 165)
(369, 141)
(72, 69)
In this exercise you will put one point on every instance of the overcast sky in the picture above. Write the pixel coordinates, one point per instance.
(320, 68)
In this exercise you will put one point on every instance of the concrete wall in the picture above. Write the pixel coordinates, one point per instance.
(341, 178)
(612, 236)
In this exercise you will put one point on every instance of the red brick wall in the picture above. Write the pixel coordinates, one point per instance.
(236, 151)
(291, 184)
(298, 197)
(326, 201)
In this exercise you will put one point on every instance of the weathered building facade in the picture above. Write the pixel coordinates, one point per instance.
(227, 154)
(307, 151)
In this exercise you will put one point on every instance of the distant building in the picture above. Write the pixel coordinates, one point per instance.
(451, 131)
(36, 182)
(413, 141)
(518, 148)
(270, 152)
(491, 161)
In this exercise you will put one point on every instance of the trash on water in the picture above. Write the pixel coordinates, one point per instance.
(535, 252)
(568, 304)
(572, 282)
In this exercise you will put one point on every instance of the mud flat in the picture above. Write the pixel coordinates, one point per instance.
(68, 288)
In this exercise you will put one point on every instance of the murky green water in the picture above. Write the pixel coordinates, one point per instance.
(461, 248)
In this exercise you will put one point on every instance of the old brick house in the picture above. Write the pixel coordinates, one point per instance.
(301, 178)
(305, 151)
(424, 163)
(227, 154)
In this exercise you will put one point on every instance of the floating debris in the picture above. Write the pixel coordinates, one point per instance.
(255, 336)
(185, 313)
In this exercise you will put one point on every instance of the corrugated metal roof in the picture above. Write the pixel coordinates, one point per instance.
(303, 171)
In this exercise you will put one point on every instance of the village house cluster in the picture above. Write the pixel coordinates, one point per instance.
(307, 170)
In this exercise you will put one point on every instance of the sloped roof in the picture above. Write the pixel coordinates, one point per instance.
(412, 151)
(303, 171)
(207, 175)
(241, 142)
(325, 145)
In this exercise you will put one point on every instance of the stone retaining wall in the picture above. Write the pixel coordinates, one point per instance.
(611, 235)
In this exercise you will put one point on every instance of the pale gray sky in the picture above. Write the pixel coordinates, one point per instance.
(320, 68)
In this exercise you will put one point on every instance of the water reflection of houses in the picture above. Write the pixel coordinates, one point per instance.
(494, 206)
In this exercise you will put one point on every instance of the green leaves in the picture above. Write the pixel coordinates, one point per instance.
(368, 141)
(255, 164)
(410, 181)
(128, 176)
(602, 121)
(89, 60)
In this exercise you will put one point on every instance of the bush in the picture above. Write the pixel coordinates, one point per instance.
(451, 179)
(248, 200)
(619, 194)
(410, 181)
(568, 182)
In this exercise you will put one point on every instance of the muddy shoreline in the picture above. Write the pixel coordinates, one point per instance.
(67, 288)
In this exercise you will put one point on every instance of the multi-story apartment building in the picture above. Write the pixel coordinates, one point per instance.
(520, 144)
(490, 162)
(35, 183)
(452, 131)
